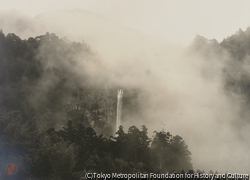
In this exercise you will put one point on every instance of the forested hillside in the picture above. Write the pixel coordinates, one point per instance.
(234, 55)
(59, 124)
(57, 117)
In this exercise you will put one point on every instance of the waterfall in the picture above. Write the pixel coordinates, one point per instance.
(119, 108)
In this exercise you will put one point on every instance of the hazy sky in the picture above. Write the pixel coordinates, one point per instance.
(176, 21)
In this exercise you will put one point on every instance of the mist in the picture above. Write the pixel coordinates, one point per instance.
(182, 91)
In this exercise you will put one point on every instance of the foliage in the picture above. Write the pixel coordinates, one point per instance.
(54, 124)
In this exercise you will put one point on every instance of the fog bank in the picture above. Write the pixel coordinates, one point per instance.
(182, 92)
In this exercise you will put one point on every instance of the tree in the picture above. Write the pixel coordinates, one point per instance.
(180, 154)
(161, 152)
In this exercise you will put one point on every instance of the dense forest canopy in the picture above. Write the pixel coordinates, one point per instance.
(59, 124)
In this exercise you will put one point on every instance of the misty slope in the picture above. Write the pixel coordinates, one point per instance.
(234, 53)
(42, 89)
(40, 77)
(123, 53)
(192, 95)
